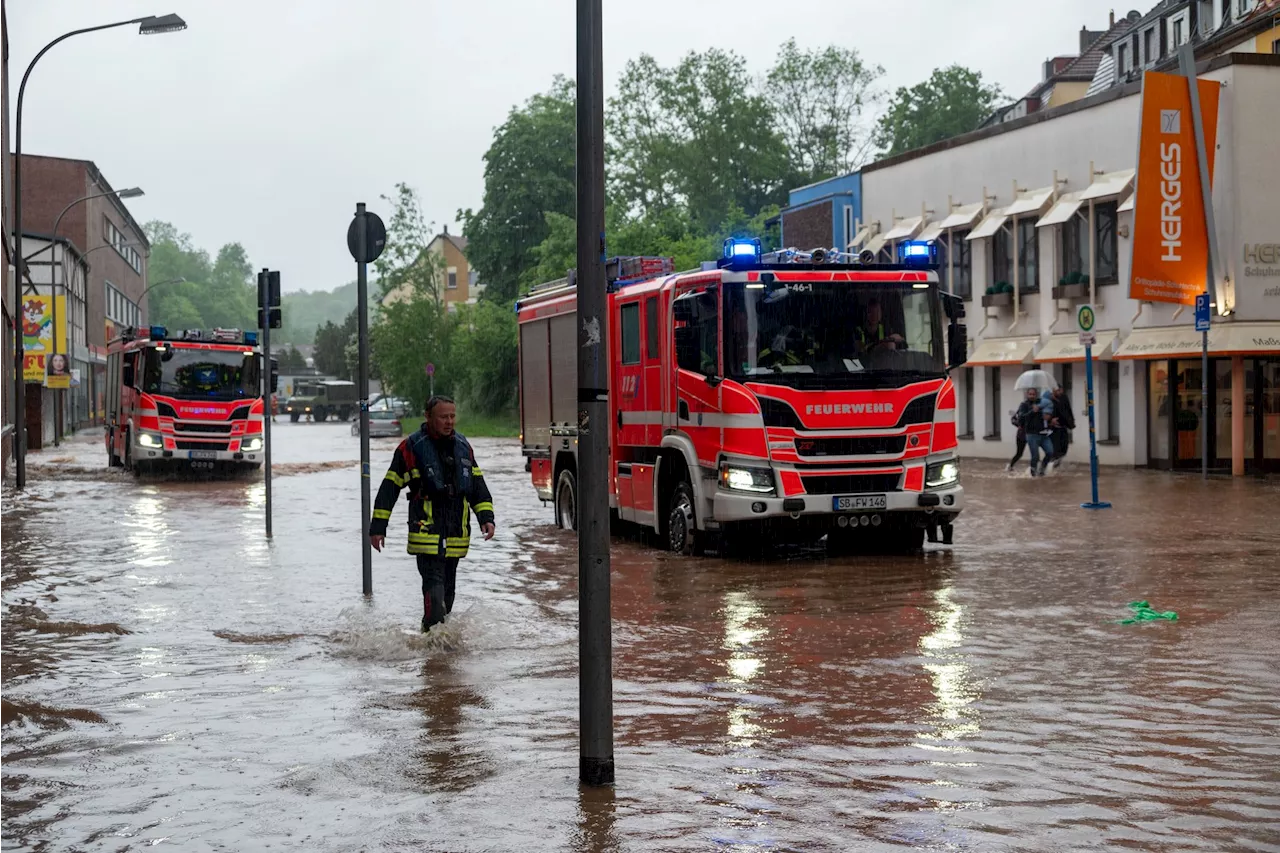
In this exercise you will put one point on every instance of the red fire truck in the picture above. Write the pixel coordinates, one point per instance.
(191, 399)
(793, 395)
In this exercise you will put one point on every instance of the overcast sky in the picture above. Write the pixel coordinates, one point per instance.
(266, 121)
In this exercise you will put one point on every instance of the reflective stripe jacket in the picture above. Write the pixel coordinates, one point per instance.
(439, 519)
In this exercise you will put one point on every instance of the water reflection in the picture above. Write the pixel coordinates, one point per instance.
(951, 714)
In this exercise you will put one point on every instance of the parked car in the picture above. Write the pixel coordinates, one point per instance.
(383, 423)
(399, 405)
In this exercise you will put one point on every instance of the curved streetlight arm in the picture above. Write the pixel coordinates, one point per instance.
(147, 289)
(58, 222)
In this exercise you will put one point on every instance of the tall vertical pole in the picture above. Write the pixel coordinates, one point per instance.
(1187, 65)
(595, 644)
(1093, 432)
(264, 292)
(362, 312)
(19, 437)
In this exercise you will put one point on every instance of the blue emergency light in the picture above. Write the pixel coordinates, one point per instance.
(251, 338)
(158, 333)
(742, 249)
(921, 252)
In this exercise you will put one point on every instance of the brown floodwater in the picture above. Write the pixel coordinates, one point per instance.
(172, 678)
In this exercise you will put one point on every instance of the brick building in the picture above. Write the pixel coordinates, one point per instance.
(112, 244)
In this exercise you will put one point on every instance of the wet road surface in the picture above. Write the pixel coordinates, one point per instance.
(173, 679)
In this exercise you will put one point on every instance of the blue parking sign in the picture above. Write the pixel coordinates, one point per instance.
(1202, 312)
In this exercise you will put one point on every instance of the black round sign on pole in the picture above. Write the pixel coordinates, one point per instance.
(375, 238)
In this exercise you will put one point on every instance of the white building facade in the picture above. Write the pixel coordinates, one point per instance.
(1012, 207)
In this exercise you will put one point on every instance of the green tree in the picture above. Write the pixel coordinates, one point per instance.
(290, 359)
(331, 344)
(821, 98)
(952, 101)
(485, 356)
(697, 135)
(218, 293)
(406, 263)
(529, 171)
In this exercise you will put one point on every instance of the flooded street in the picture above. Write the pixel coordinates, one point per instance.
(173, 679)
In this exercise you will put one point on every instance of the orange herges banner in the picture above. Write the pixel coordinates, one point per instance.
(1170, 239)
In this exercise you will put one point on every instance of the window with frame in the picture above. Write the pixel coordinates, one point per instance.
(631, 333)
(651, 340)
(696, 320)
(961, 251)
(1075, 243)
(1149, 46)
(994, 415)
(1243, 7)
(1122, 58)
(453, 278)
(1028, 256)
(1001, 256)
(1176, 29)
(1113, 400)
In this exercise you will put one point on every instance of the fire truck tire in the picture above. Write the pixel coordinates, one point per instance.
(566, 504)
(113, 461)
(682, 531)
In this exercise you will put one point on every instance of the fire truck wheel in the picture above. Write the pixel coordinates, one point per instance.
(567, 501)
(681, 526)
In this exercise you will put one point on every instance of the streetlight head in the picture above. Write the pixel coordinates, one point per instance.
(131, 192)
(156, 24)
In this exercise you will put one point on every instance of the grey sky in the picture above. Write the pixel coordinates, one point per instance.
(265, 122)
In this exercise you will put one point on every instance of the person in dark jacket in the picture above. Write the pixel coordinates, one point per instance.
(1064, 422)
(1030, 417)
(1021, 436)
(445, 485)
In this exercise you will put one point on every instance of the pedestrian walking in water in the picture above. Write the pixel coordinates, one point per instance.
(1065, 421)
(1031, 422)
(438, 467)
(1020, 437)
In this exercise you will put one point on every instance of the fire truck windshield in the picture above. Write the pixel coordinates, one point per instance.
(831, 334)
(201, 373)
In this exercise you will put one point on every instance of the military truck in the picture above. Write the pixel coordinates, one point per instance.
(321, 399)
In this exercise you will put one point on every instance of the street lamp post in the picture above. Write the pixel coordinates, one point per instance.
(150, 25)
(130, 192)
(149, 287)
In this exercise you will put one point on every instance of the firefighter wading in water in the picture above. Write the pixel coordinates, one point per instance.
(445, 485)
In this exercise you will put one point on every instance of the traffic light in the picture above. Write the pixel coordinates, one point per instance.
(269, 296)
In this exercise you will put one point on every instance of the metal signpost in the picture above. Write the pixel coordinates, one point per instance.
(1085, 320)
(1202, 326)
(595, 644)
(366, 238)
(268, 319)
(431, 376)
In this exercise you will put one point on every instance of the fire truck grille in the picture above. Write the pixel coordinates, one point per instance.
(223, 428)
(201, 445)
(851, 484)
(851, 446)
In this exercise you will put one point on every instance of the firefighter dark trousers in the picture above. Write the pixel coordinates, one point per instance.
(439, 583)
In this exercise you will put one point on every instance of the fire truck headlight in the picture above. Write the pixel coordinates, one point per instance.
(739, 478)
(150, 439)
(254, 443)
(941, 474)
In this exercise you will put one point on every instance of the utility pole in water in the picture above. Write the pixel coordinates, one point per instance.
(268, 318)
(595, 643)
(366, 238)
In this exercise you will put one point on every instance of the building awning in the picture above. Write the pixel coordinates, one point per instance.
(875, 244)
(1062, 211)
(863, 234)
(989, 226)
(1127, 204)
(1225, 338)
(962, 216)
(931, 232)
(996, 351)
(1067, 348)
(904, 229)
(1108, 186)
(1030, 202)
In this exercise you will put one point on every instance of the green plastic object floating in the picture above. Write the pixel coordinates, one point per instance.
(1143, 612)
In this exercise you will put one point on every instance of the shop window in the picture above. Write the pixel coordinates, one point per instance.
(966, 403)
(1028, 256)
(1112, 374)
(631, 333)
(961, 254)
(1075, 243)
(994, 416)
(1001, 257)
(1066, 380)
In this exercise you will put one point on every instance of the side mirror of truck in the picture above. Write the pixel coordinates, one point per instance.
(957, 345)
(952, 306)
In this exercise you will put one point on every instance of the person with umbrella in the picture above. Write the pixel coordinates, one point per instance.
(1033, 418)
